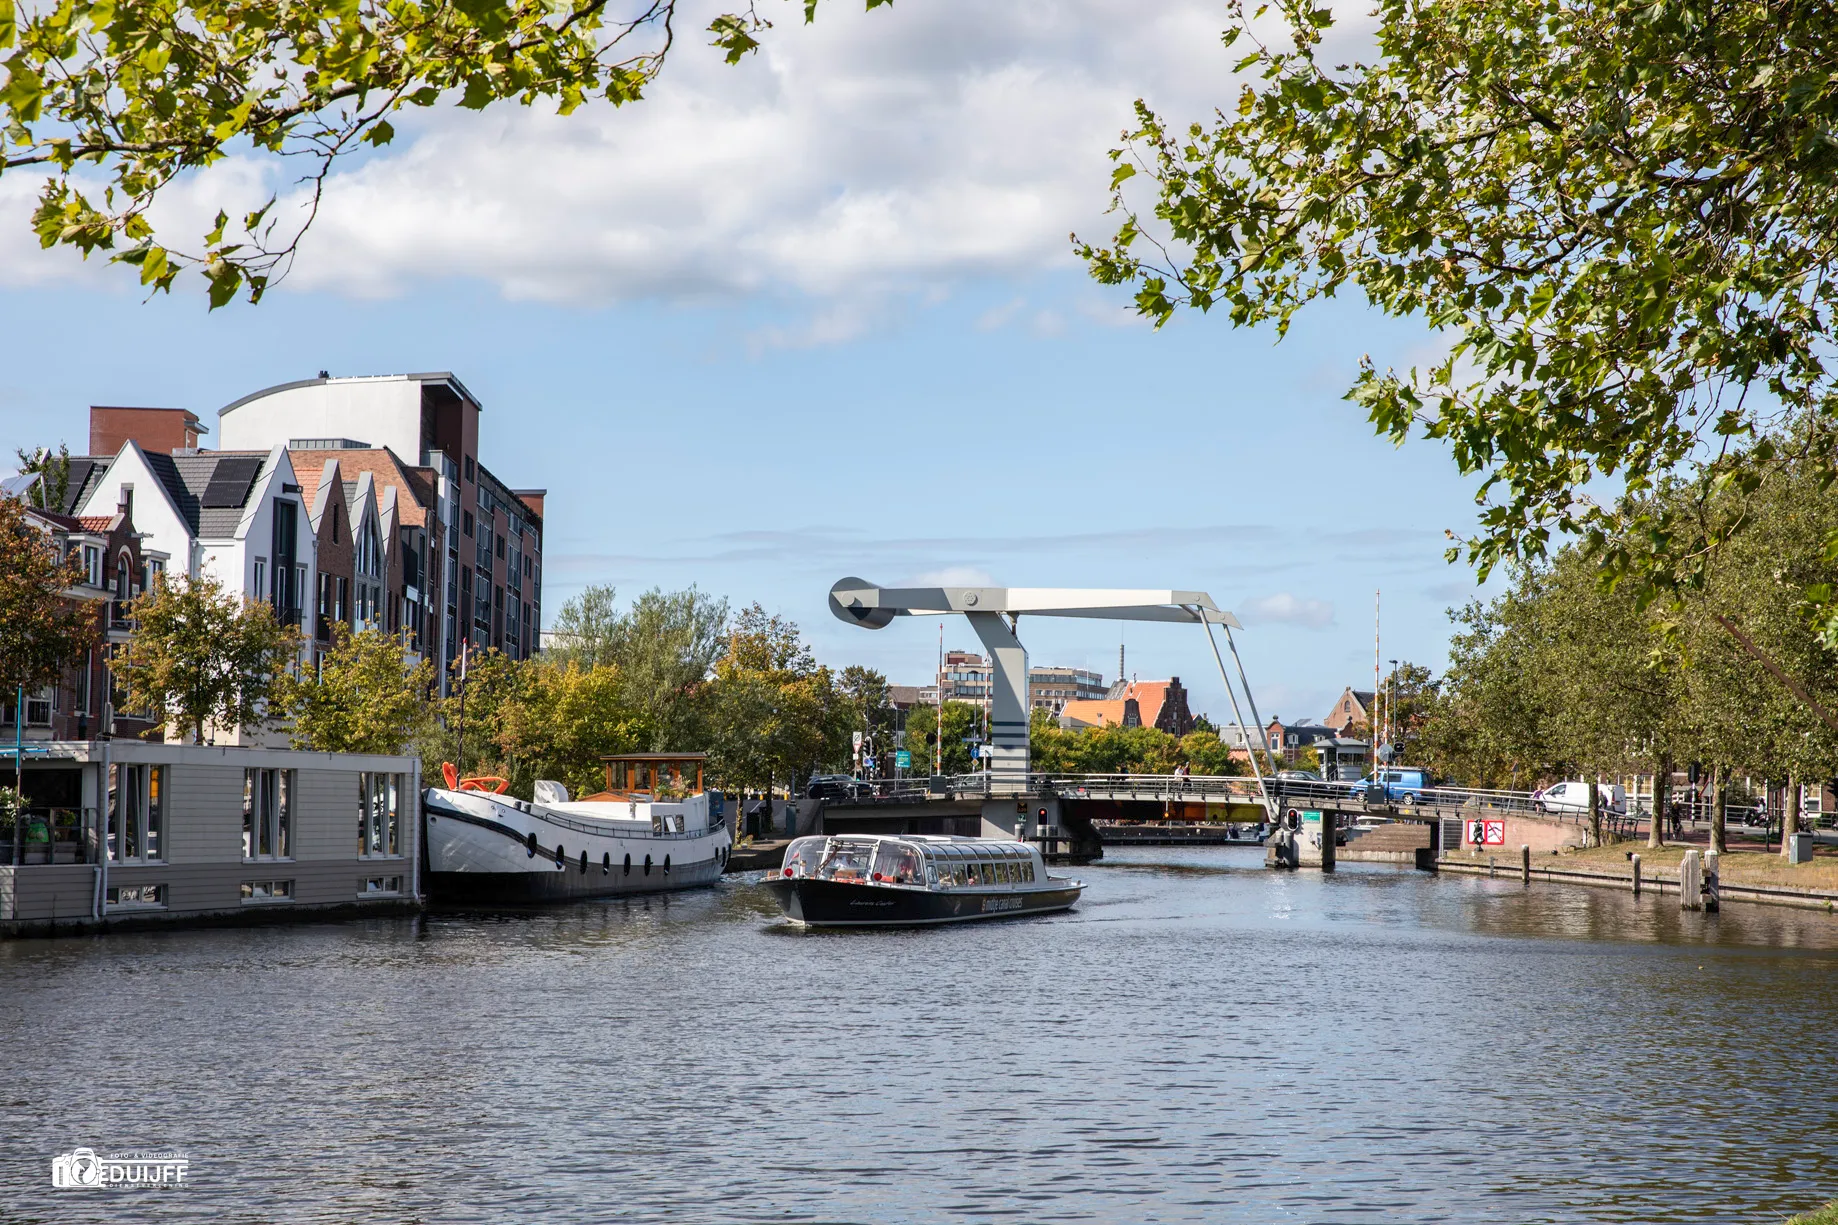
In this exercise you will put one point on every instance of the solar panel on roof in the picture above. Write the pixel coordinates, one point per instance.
(230, 481)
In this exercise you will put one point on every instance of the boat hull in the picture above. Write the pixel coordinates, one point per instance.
(479, 854)
(828, 903)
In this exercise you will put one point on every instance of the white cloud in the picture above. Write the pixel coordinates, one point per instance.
(896, 152)
(953, 576)
(1288, 609)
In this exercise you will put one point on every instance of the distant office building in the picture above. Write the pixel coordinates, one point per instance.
(1050, 688)
(966, 677)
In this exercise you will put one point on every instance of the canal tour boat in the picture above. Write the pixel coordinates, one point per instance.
(652, 830)
(873, 880)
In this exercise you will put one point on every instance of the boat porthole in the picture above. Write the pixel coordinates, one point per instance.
(628, 864)
(647, 865)
(529, 844)
(561, 856)
(583, 861)
(606, 865)
(666, 865)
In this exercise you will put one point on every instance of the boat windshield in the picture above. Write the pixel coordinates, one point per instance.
(803, 856)
(898, 864)
(845, 860)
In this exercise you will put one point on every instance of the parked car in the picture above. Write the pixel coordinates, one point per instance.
(1573, 796)
(1402, 785)
(833, 787)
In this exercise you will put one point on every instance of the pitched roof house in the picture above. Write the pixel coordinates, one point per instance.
(1354, 707)
(1161, 704)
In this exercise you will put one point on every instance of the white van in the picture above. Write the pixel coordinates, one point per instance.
(1573, 796)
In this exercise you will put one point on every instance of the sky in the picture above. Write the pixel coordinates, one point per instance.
(815, 316)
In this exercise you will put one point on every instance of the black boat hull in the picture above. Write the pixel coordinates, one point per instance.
(828, 903)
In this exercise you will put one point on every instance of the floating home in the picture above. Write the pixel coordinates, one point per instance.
(130, 833)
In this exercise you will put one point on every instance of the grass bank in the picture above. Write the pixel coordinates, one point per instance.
(1827, 1215)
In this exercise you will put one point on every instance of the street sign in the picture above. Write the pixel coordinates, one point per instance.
(858, 742)
(1482, 832)
(902, 759)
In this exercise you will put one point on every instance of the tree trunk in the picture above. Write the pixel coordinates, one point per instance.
(1718, 815)
(1790, 812)
(1595, 813)
(1662, 791)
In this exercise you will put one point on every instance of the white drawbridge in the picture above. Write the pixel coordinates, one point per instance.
(995, 614)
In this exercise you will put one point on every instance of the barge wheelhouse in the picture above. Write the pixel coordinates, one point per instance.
(871, 880)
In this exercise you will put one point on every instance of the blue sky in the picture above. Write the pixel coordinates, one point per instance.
(848, 340)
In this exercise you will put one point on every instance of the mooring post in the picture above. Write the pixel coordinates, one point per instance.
(1636, 860)
(1691, 882)
(1712, 898)
(1525, 862)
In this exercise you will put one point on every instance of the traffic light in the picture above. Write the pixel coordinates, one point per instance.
(931, 738)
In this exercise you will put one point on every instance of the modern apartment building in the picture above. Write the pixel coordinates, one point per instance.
(460, 549)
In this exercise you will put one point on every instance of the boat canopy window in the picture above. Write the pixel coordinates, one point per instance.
(899, 863)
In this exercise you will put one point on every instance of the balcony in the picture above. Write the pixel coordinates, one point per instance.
(49, 835)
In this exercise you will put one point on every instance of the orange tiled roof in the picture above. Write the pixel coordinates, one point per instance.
(96, 523)
(1150, 697)
(1099, 712)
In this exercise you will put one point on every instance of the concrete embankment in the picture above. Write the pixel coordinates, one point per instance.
(1661, 878)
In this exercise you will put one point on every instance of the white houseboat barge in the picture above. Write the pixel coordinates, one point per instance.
(652, 830)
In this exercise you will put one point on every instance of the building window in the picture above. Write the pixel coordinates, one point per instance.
(379, 814)
(129, 897)
(466, 523)
(268, 800)
(136, 813)
(261, 578)
(378, 886)
(92, 565)
(469, 467)
(256, 892)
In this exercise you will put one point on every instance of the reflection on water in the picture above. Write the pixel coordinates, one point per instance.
(1201, 1040)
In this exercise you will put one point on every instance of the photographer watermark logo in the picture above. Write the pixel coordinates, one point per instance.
(84, 1169)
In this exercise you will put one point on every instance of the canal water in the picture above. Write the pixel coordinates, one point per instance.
(1202, 1040)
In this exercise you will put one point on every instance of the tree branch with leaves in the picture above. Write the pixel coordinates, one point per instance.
(132, 98)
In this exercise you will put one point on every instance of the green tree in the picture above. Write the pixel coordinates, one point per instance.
(41, 629)
(202, 655)
(559, 724)
(960, 721)
(1617, 213)
(584, 631)
(665, 649)
(866, 706)
(364, 697)
(146, 94)
(774, 711)
(53, 472)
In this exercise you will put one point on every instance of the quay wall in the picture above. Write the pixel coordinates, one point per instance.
(1542, 834)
